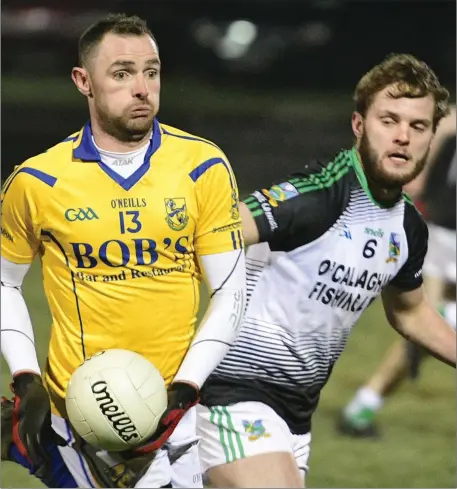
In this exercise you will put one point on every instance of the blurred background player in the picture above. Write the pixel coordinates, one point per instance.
(435, 194)
(124, 215)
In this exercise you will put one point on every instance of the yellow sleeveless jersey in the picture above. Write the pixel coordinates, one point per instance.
(119, 255)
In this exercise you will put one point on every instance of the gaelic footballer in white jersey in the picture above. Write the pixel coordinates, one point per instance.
(327, 250)
(332, 239)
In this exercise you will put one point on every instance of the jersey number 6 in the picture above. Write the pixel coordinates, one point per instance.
(369, 248)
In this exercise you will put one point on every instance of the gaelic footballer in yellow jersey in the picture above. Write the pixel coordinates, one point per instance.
(119, 254)
(127, 216)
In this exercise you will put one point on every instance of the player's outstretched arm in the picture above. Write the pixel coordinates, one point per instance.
(416, 320)
(405, 304)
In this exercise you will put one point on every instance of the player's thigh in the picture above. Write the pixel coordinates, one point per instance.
(274, 469)
(185, 471)
(246, 445)
(183, 453)
(158, 473)
(179, 462)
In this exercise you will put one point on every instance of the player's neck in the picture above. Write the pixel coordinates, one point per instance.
(384, 195)
(110, 143)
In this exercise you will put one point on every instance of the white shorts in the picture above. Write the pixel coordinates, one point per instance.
(440, 261)
(97, 468)
(244, 429)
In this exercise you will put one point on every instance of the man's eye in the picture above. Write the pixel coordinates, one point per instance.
(120, 75)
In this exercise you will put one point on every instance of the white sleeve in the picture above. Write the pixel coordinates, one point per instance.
(17, 340)
(225, 277)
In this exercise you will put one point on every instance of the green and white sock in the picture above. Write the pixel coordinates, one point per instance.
(362, 409)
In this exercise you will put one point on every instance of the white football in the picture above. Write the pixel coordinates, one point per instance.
(114, 400)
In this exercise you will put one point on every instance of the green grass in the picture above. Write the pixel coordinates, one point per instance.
(419, 424)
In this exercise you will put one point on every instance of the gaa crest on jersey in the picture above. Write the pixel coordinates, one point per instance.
(176, 209)
(256, 429)
(80, 214)
(394, 248)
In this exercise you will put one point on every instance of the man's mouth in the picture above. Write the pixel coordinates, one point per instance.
(399, 157)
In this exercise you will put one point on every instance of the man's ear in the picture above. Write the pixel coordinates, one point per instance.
(358, 123)
(80, 77)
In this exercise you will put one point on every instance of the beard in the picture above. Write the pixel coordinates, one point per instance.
(382, 178)
(124, 127)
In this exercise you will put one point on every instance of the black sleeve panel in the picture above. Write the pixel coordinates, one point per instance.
(302, 208)
(410, 275)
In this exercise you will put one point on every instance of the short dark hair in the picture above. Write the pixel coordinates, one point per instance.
(115, 23)
(409, 76)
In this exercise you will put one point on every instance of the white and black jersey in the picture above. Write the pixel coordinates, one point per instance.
(328, 249)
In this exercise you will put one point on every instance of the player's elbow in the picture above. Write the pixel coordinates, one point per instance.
(239, 304)
(231, 303)
(7, 286)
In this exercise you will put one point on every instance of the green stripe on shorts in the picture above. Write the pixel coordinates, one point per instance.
(229, 438)
(233, 431)
(218, 423)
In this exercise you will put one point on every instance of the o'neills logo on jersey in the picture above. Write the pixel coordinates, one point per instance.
(119, 420)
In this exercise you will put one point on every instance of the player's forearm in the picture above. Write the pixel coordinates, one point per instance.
(428, 329)
(17, 340)
(221, 323)
(214, 338)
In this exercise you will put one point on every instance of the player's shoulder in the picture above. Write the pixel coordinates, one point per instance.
(48, 165)
(414, 221)
(191, 142)
(324, 172)
(314, 176)
(44, 168)
(199, 154)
